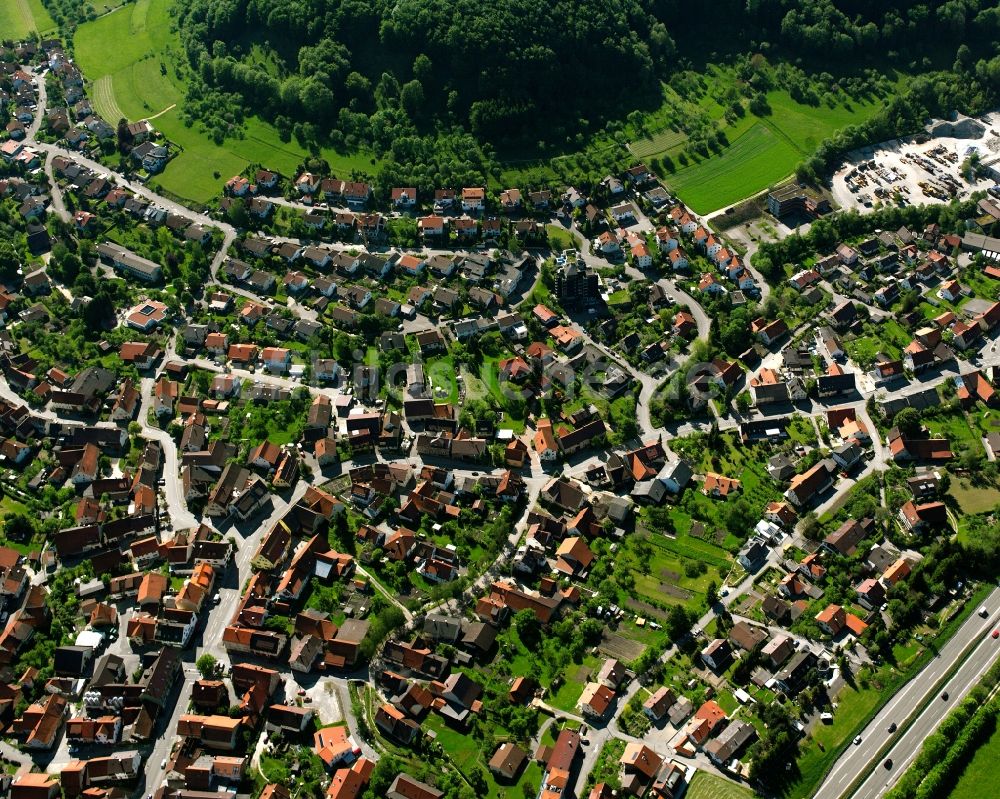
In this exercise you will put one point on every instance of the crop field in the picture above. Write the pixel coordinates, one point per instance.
(138, 79)
(18, 18)
(102, 96)
(657, 143)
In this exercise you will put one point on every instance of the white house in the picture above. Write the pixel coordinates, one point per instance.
(607, 243)
(404, 197)
(623, 211)
(641, 256)
(722, 257)
(431, 225)
(666, 239)
(473, 199)
(675, 475)
(950, 291)
(276, 359)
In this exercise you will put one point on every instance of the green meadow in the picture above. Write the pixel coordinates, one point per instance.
(138, 78)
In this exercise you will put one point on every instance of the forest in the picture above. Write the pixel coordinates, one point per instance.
(447, 92)
(356, 67)
(525, 69)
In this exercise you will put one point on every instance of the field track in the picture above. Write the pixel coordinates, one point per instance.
(170, 107)
(26, 15)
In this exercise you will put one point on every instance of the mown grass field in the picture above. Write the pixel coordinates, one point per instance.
(18, 18)
(138, 79)
(980, 772)
(560, 238)
(709, 786)
(761, 151)
(753, 161)
(974, 499)
(657, 143)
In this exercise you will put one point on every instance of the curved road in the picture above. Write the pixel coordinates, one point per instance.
(173, 487)
(857, 759)
(854, 761)
(112, 175)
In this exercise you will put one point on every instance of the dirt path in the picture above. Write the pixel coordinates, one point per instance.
(170, 107)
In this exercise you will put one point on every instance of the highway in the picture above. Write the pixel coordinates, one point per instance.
(908, 746)
(857, 759)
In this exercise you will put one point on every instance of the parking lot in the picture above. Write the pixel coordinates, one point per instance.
(320, 693)
(918, 170)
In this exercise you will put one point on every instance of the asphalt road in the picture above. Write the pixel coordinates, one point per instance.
(908, 745)
(856, 759)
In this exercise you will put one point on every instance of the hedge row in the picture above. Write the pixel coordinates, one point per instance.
(946, 753)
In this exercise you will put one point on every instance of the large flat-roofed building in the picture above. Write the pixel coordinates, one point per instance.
(128, 262)
(977, 242)
(793, 199)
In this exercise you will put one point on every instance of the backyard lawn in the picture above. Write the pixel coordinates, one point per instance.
(9, 505)
(661, 575)
(138, 78)
(862, 350)
(467, 755)
(747, 464)
(560, 239)
(574, 681)
(548, 665)
(974, 499)
(485, 385)
(955, 428)
(441, 374)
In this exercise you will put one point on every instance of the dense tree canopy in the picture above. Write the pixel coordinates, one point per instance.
(497, 68)
(364, 71)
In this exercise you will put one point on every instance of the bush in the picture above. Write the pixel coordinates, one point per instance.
(693, 568)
